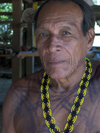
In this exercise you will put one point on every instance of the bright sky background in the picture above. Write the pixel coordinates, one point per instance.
(97, 28)
(97, 38)
(97, 2)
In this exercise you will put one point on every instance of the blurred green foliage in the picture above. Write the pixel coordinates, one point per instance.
(6, 32)
(6, 7)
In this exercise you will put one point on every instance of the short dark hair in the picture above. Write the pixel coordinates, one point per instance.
(88, 15)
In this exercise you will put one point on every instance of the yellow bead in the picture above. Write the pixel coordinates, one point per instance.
(66, 126)
(47, 123)
(44, 114)
(48, 80)
(41, 88)
(90, 70)
(84, 93)
(69, 117)
(81, 83)
(53, 120)
(74, 119)
(47, 95)
(47, 87)
(76, 99)
(82, 100)
(50, 112)
(42, 96)
(42, 80)
(73, 108)
(71, 129)
(44, 74)
(79, 90)
(87, 83)
(78, 110)
(58, 129)
(48, 104)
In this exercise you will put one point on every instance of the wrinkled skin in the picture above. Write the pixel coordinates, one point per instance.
(62, 48)
(60, 40)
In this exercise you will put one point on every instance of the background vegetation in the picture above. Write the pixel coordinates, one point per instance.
(5, 29)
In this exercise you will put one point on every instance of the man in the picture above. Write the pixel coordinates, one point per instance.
(61, 101)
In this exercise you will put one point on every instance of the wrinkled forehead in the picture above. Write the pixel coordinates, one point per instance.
(53, 10)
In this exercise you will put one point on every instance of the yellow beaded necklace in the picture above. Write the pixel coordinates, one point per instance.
(47, 113)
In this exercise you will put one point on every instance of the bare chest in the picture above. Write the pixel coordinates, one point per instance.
(29, 118)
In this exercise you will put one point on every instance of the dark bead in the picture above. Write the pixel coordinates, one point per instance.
(77, 104)
(46, 77)
(57, 132)
(73, 113)
(48, 118)
(66, 131)
(80, 96)
(52, 126)
(70, 122)
(45, 100)
(85, 79)
(83, 87)
(87, 73)
(44, 91)
(44, 84)
(87, 61)
(88, 66)
(46, 109)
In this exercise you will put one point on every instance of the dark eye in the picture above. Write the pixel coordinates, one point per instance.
(65, 33)
(42, 34)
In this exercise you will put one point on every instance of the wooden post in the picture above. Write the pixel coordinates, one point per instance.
(30, 60)
(30, 37)
(17, 38)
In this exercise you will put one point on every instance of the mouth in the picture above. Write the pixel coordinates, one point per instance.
(55, 62)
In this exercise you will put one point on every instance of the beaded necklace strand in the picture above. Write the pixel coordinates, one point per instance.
(47, 113)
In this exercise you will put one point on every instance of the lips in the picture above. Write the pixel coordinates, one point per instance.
(56, 62)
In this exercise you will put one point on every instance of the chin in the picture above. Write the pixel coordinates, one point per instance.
(56, 74)
(57, 71)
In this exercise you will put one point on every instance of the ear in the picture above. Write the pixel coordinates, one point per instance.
(90, 38)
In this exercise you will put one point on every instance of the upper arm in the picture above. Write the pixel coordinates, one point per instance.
(14, 98)
(8, 112)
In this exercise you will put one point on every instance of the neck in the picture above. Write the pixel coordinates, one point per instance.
(65, 84)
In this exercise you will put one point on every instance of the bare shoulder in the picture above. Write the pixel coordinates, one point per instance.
(92, 99)
(20, 90)
(23, 87)
(95, 79)
(29, 80)
(95, 66)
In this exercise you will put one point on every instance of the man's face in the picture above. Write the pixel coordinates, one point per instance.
(59, 38)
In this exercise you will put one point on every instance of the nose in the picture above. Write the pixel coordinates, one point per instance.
(54, 44)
